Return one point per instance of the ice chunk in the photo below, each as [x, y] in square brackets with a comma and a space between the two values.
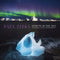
[27, 46]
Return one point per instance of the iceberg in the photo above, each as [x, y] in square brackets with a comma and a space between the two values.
[28, 46]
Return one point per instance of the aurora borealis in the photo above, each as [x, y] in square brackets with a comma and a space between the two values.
[36, 8]
[28, 13]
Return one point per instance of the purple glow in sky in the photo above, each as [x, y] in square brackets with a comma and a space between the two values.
[36, 5]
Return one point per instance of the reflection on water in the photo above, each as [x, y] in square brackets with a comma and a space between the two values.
[17, 56]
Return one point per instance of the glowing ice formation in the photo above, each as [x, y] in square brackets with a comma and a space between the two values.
[27, 46]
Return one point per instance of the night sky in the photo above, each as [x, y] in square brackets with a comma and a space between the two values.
[35, 5]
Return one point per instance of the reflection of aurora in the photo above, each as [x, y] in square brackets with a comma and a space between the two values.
[30, 14]
[29, 47]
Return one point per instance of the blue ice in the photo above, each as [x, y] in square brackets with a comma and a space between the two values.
[27, 46]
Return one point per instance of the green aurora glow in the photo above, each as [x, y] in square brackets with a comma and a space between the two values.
[29, 13]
